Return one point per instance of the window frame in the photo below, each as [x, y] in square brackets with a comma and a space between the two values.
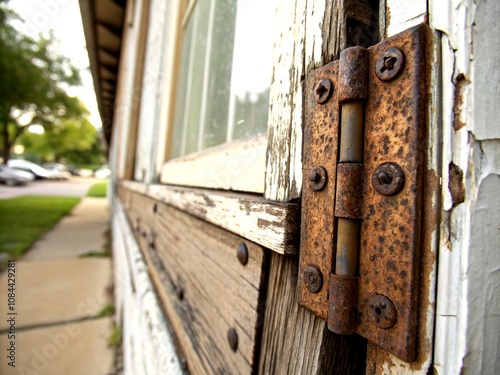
[225, 160]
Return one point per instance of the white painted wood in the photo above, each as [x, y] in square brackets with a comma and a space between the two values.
[170, 73]
[467, 323]
[238, 165]
[272, 225]
[152, 84]
[284, 162]
[401, 15]
[147, 343]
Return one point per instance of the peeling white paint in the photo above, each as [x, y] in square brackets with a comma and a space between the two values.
[467, 338]
[147, 343]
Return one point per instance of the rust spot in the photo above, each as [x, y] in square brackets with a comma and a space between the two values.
[458, 102]
[456, 184]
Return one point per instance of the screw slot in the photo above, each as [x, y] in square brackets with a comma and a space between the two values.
[388, 63]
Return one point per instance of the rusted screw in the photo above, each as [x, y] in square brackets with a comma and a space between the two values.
[242, 254]
[313, 279]
[389, 64]
[382, 311]
[179, 293]
[155, 207]
[151, 238]
[323, 91]
[388, 179]
[317, 178]
[232, 338]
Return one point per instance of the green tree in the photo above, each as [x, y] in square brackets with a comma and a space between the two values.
[33, 88]
[71, 135]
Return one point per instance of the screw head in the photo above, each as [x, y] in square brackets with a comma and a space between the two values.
[382, 311]
[151, 238]
[179, 293]
[317, 178]
[313, 278]
[388, 179]
[232, 339]
[242, 254]
[323, 91]
[390, 64]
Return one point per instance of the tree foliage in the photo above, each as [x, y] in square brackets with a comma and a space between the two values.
[33, 88]
[71, 136]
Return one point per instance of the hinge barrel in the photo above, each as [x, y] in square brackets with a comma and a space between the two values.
[352, 94]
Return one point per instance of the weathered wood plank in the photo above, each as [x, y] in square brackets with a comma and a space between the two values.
[284, 166]
[152, 88]
[294, 341]
[401, 15]
[128, 95]
[218, 292]
[148, 343]
[272, 225]
[239, 165]
[308, 34]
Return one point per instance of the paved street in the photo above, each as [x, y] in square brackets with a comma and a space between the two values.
[74, 187]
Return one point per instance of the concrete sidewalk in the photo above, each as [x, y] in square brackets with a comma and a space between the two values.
[58, 295]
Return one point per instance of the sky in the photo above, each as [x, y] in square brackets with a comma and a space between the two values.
[63, 17]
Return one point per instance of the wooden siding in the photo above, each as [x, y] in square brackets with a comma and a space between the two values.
[272, 225]
[219, 293]
[467, 321]
[148, 344]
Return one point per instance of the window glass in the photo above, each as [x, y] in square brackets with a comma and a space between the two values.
[225, 74]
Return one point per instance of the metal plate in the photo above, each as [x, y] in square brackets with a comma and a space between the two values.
[318, 223]
[395, 129]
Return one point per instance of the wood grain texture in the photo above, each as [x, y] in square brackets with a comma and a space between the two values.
[467, 329]
[284, 166]
[152, 88]
[148, 344]
[308, 34]
[270, 224]
[218, 292]
[129, 91]
[294, 341]
[239, 165]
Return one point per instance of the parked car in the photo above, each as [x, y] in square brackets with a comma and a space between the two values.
[11, 177]
[59, 171]
[85, 172]
[24, 165]
[102, 173]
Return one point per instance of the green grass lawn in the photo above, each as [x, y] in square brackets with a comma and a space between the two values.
[98, 190]
[24, 219]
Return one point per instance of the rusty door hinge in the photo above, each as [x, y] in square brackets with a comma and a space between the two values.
[363, 159]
